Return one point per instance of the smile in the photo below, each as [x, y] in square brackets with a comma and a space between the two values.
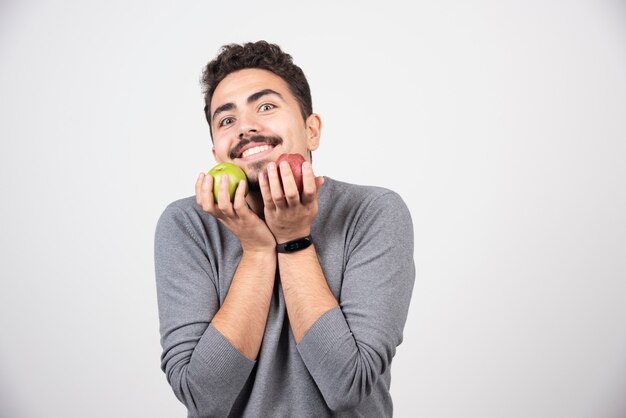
[255, 150]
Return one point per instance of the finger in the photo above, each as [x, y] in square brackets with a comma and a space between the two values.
[319, 180]
[223, 197]
[206, 194]
[265, 191]
[239, 203]
[276, 188]
[289, 184]
[309, 184]
[199, 188]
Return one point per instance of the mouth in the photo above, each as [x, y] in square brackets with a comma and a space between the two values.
[257, 149]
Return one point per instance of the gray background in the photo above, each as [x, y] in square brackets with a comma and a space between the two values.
[501, 123]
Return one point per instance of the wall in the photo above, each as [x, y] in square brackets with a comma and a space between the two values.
[501, 123]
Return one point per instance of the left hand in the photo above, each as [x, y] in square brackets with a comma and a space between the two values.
[253, 233]
[288, 214]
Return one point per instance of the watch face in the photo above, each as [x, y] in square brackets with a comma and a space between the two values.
[295, 245]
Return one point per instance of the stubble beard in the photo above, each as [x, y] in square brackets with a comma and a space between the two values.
[253, 181]
[258, 166]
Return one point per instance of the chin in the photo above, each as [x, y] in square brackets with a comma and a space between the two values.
[254, 169]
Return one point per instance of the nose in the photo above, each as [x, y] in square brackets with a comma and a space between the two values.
[247, 125]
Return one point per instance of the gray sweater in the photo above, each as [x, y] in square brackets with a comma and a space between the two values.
[364, 240]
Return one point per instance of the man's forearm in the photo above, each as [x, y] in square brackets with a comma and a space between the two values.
[242, 317]
[307, 295]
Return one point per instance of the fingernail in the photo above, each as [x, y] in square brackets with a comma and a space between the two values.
[306, 165]
[206, 180]
[200, 176]
[271, 166]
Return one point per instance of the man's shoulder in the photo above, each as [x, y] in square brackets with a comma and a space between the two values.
[187, 211]
[185, 203]
[359, 210]
[184, 207]
[358, 194]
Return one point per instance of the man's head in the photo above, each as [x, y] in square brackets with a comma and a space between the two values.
[258, 106]
[261, 55]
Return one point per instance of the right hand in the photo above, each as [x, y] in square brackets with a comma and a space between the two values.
[252, 231]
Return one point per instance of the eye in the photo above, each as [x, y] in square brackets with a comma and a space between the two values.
[265, 107]
[226, 121]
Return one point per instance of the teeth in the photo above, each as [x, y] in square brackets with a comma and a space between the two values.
[255, 150]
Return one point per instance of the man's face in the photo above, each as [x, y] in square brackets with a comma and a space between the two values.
[255, 119]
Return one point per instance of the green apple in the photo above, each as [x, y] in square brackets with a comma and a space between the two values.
[235, 175]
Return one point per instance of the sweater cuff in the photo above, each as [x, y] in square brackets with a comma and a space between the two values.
[328, 332]
[223, 358]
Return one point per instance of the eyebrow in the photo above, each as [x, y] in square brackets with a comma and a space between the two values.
[252, 98]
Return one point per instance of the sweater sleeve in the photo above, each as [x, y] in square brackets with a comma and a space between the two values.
[205, 371]
[348, 348]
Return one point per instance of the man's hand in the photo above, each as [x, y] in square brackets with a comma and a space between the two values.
[252, 232]
[242, 316]
[288, 214]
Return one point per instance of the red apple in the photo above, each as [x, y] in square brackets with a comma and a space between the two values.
[295, 162]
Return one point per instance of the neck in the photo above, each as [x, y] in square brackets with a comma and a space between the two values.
[255, 202]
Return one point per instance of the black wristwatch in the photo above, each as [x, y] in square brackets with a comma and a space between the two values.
[295, 245]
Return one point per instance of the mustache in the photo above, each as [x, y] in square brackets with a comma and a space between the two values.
[271, 140]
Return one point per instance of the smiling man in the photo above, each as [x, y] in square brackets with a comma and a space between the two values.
[279, 303]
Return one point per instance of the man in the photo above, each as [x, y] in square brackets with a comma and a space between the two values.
[247, 329]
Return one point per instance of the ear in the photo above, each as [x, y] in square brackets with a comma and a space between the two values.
[313, 131]
[214, 154]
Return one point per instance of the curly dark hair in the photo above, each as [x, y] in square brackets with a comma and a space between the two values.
[260, 54]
